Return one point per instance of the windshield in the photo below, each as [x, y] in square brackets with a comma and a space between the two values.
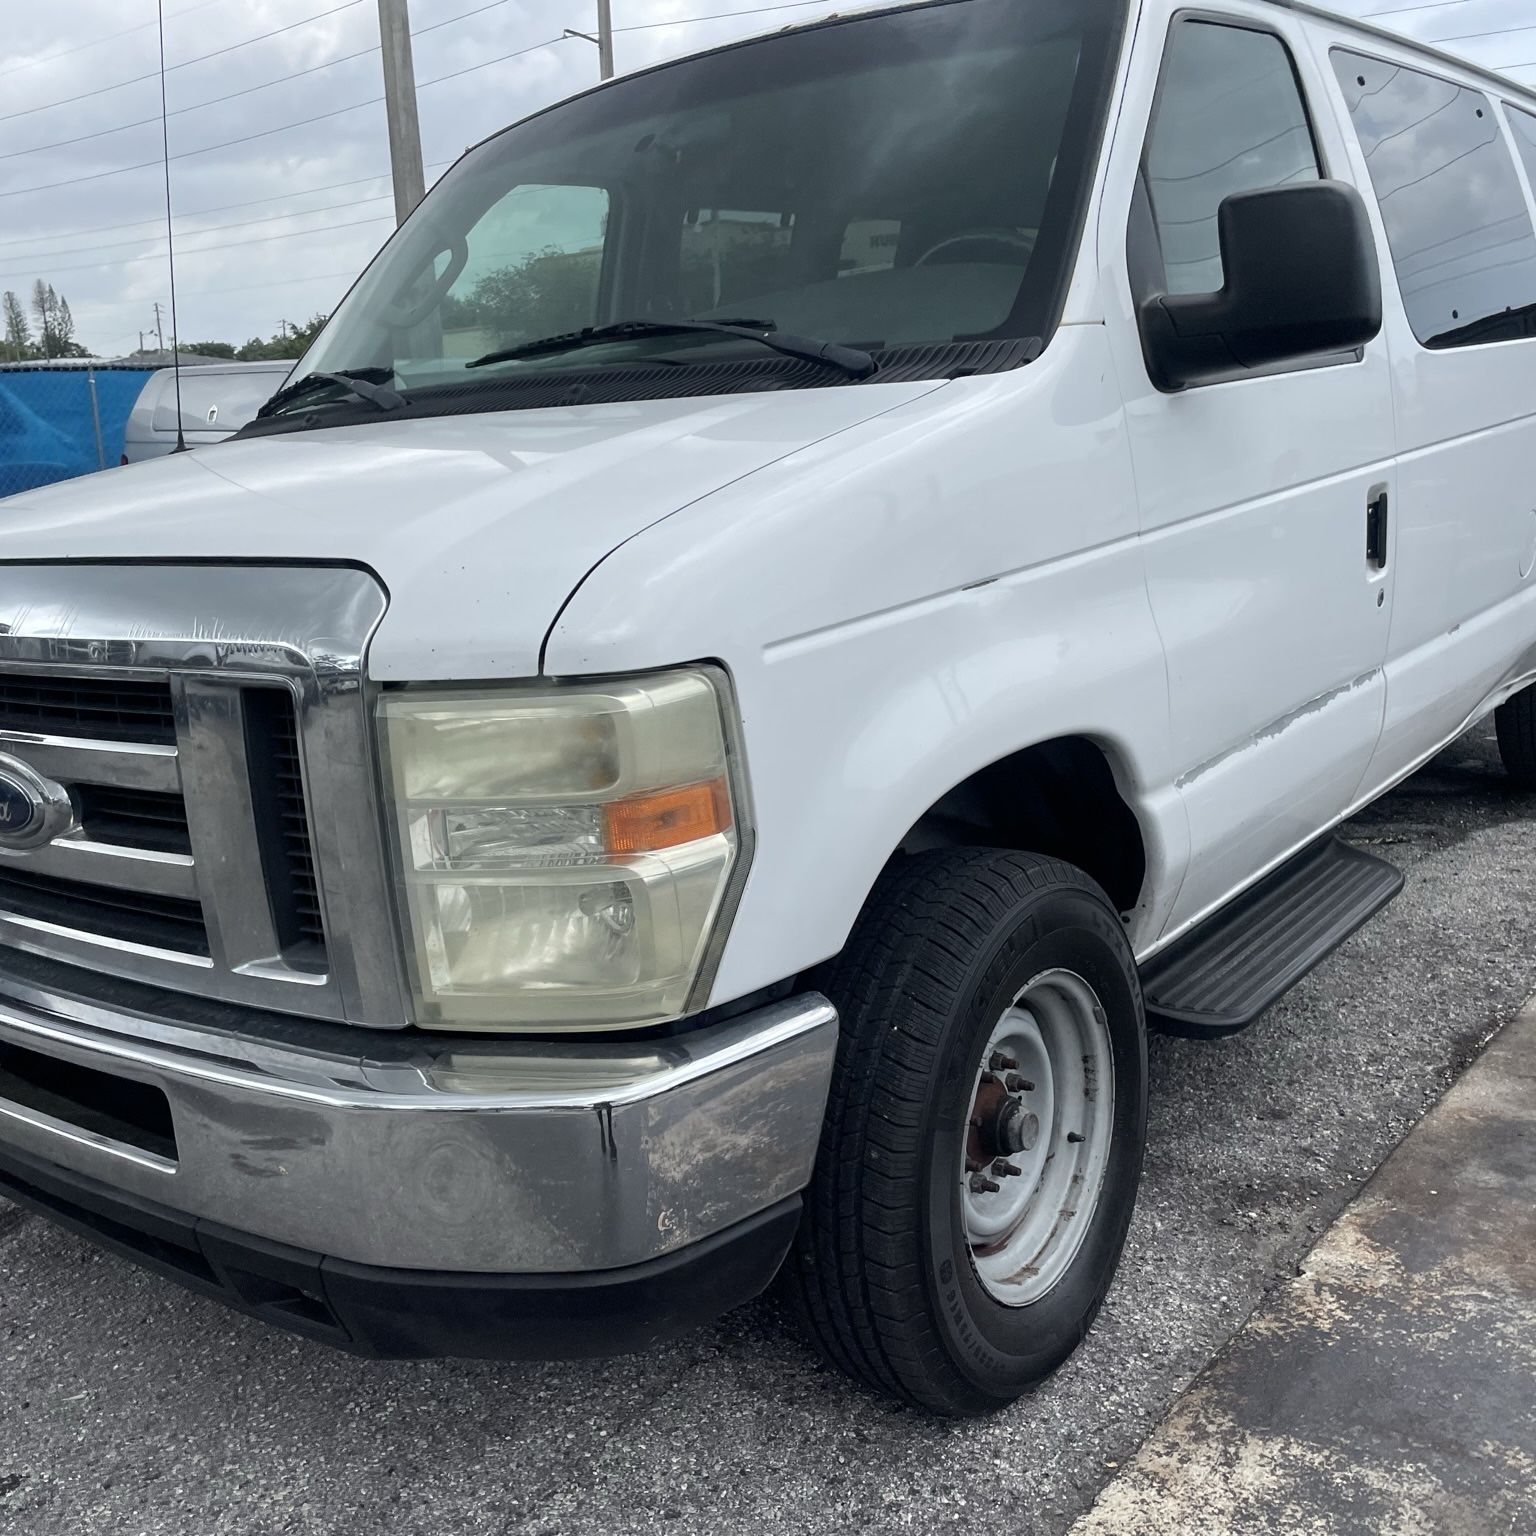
[908, 183]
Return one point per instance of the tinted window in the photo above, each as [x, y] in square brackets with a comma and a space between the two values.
[1524, 124]
[1230, 118]
[1450, 198]
[728, 255]
[537, 251]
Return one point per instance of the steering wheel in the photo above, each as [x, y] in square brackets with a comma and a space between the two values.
[1018, 243]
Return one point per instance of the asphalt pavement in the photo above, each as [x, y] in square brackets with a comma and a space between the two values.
[128, 1406]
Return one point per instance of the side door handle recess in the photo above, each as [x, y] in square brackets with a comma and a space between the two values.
[1376, 508]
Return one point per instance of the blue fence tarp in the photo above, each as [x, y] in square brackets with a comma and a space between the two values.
[48, 422]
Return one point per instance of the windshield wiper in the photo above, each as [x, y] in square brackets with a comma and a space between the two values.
[364, 383]
[849, 360]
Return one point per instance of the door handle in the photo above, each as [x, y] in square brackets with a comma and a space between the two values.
[1376, 508]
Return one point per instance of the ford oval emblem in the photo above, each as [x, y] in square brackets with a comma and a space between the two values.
[19, 807]
[33, 810]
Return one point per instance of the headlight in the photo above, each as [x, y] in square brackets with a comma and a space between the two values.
[563, 854]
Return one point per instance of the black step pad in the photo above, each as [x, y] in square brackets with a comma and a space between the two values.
[1224, 973]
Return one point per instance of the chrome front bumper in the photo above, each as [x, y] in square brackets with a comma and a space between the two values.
[482, 1157]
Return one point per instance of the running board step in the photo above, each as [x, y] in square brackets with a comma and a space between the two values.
[1223, 974]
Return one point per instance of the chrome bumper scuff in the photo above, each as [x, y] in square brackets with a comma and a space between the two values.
[492, 1157]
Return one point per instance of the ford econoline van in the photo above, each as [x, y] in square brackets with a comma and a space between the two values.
[806, 599]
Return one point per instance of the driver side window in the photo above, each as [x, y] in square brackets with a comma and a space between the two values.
[1229, 118]
[534, 269]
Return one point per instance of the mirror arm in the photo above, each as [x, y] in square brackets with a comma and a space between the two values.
[1185, 338]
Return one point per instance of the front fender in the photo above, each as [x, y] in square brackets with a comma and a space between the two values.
[899, 607]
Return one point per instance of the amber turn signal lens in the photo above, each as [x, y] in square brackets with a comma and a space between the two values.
[663, 818]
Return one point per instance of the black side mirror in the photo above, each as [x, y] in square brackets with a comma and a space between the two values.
[1301, 278]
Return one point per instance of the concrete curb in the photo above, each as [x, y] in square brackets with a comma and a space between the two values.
[1390, 1387]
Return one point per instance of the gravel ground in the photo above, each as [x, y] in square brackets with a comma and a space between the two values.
[127, 1406]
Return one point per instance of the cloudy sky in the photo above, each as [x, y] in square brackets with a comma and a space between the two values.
[275, 227]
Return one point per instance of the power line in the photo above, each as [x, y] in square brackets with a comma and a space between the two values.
[247, 138]
[212, 229]
[41, 258]
[183, 253]
[254, 202]
[101, 133]
[1403, 10]
[261, 37]
[249, 90]
[1467, 37]
[355, 106]
[95, 42]
[291, 282]
[207, 293]
[757, 10]
[228, 96]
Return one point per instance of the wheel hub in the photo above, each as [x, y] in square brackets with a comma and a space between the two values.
[1018, 1129]
[1037, 1137]
[1001, 1125]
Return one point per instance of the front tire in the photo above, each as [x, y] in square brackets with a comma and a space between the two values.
[1515, 722]
[985, 1130]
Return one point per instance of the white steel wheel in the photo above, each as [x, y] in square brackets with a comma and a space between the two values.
[1036, 1143]
[984, 1133]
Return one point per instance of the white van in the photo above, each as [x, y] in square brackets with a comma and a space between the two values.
[217, 399]
[806, 598]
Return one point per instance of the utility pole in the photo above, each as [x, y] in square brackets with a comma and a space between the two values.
[605, 39]
[159, 332]
[400, 106]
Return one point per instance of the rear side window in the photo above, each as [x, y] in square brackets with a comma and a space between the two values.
[1524, 124]
[1450, 197]
[1230, 118]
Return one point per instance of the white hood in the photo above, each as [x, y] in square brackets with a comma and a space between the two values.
[479, 526]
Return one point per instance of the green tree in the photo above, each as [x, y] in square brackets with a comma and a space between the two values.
[18, 333]
[208, 348]
[42, 307]
[547, 293]
[63, 326]
[55, 324]
[292, 340]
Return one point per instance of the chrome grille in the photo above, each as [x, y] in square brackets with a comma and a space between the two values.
[133, 818]
[224, 838]
[127, 916]
[95, 709]
[282, 825]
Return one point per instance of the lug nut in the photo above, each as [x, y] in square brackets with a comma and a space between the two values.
[1016, 1084]
[982, 1185]
[1001, 1062]
[974, 1165]
[1006, 1170]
